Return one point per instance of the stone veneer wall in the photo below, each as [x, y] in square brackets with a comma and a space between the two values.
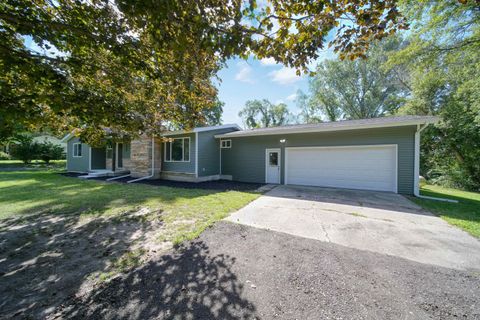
[140, 163]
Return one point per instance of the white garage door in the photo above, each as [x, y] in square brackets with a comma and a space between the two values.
[356, 167]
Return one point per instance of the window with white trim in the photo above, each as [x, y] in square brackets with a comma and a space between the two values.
[77, 150]
[177, 150]
[225, 144]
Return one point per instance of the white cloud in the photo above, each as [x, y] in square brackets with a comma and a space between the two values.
[268, 62]
[279, 101]
[284, 76]
[244, 73]
[292, 97]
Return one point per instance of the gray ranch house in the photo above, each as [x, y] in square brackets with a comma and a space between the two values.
[381, 154]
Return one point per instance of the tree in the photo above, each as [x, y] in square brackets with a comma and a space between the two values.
[443, 58]
[132, 66]
[25, 148]
[48, 151]
[213, 116]
[358, 89]
[309, 111]
[263, 114]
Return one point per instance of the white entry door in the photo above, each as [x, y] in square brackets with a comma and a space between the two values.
[354, 167]
[272, 164]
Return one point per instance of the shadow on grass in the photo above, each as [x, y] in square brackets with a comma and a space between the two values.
[50, 245]
[45, 258]
[187, 284]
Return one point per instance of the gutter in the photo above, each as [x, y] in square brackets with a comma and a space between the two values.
[153, 165]
[416, 169]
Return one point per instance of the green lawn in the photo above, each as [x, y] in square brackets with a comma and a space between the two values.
[57, 164]
[83, 232]
[465, 214]
[185, 212]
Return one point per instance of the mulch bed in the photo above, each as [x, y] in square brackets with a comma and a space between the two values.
[220, 185]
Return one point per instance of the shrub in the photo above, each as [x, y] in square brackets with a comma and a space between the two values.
[4, 156]
[49, 151]
[25, 148]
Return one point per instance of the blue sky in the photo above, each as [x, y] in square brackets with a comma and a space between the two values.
[250, 79]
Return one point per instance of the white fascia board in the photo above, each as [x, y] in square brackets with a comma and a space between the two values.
[67, 137]
[287, 130]
[202, 129]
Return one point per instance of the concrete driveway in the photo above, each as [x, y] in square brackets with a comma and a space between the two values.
[380, 222]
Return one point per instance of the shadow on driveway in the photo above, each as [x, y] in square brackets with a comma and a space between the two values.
[188, 284]
[238, 272]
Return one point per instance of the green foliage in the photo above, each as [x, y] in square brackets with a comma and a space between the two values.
[357, 89]
[263, 114]
[309, 110]
[135, 66]
[25, 148]
[443, 58]
[49, 151]
[4, 156]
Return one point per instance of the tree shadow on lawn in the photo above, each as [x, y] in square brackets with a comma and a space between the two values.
[50, 257]
[186, 284]
[59, 238]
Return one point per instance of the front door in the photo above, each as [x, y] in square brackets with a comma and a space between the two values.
[119, 155]
[272, 162]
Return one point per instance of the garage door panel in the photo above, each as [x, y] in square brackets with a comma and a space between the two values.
[365, 167]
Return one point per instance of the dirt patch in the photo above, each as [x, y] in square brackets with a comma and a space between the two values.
[46, 258]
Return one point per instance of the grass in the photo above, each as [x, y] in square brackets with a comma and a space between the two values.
[184, 212]
[11, 164]
[465, 214]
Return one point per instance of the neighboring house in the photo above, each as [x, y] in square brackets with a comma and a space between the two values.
[380, 154]
[49, 138]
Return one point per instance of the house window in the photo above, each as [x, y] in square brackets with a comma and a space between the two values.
[225, 144]
[77, 150]
[273, 159]
[177, 150]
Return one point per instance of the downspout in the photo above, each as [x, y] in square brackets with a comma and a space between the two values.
[416, 188]
[153, 165]
[416, 180]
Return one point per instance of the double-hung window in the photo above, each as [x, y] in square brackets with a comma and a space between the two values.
[177, 150]
[77, 150]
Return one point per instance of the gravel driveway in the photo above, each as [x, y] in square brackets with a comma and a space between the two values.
[238, 272]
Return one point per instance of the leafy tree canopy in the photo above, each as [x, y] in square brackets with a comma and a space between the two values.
[443, 59]
[263, 114]
[135, 66]
[356, 89]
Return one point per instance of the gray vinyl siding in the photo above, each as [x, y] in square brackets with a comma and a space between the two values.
[181, 167]
[209, 152]
[78, 164]
[245, 161]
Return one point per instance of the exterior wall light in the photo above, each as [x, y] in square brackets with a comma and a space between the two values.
[283, 140]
